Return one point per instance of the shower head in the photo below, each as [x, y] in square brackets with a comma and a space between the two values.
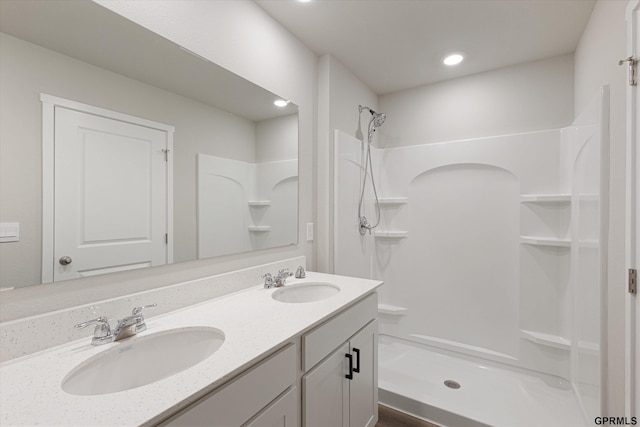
[378, 118]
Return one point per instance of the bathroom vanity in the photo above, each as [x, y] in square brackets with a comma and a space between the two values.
[310, 361]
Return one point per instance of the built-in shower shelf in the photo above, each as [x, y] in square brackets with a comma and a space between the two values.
[395, 234]
[259, 228]
[557, 198]
[392, 309]
[550, 241]
[545, 198]
[391, 201]
[259, 202]
[545, 241]
[548, 340]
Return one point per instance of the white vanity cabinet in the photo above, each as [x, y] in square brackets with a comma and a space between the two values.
[342, 389]
[333, 372]
[263, 396]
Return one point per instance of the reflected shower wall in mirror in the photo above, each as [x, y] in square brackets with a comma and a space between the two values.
[219, 118]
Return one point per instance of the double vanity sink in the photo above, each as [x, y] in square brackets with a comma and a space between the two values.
[182, 356]
[150, 358]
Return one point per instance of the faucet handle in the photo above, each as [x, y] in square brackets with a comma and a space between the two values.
[268, 280]
[300, 274]
[102, 332]
[141, 325]
[285, 272]
[137, 310]
[100, 321]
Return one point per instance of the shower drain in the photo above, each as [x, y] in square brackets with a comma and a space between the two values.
[452, 384]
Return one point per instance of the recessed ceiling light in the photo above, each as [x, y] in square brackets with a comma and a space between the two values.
[304, 1]
[454, 59]
[280, 103]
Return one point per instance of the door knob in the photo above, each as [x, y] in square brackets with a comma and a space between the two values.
[65, 260]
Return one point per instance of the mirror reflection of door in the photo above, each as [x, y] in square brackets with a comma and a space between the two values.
[110, 193]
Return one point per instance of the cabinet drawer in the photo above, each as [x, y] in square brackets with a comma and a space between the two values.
[325, 338]
[242, 398]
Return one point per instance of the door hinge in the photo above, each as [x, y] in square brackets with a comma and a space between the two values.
[633, 281]
[633, 69]
[166, 154]
[166, 238]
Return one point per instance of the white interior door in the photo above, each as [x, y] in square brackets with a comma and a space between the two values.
[110, 195]
[633, 218]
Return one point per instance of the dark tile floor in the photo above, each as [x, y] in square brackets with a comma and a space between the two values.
[388, 417]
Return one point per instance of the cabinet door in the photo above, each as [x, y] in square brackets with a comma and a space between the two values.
[363, 393]
[325, 392]
[281, 413]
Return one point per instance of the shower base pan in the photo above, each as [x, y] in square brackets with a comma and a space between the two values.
[412, 379]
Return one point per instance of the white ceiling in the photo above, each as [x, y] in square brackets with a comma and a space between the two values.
[398, 44]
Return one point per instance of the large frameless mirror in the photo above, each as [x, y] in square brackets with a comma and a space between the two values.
[115, 140]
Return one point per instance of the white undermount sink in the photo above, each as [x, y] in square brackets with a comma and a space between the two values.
[143, 360]
[305, 292]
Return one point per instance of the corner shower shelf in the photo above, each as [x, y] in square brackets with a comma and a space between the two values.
[557, 198]
[545, 198]
[392, 309]
[389, 201]
[259, 202]
[391, 234]
[548, 340]
[259, 228]
[545, 241]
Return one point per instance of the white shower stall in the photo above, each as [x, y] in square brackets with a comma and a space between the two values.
[493, 254]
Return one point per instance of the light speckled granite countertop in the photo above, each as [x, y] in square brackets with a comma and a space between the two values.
[253, 323]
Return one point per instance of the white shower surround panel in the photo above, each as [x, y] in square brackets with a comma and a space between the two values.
[353, 254]
[457, 271]
[454, 187]
[588, 147]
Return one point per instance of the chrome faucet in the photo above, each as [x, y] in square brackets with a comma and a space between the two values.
[279, 280]
[126, 327]
[282, 277]
[300, 274]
